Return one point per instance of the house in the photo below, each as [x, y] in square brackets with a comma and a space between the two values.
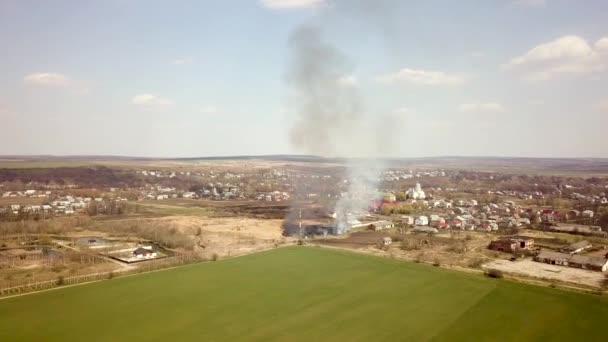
[422, 221]
[523, 221]
[189, 194]
[385, 241]
[437, 221]
[456, 223]
[573, 214]
[576, 247]
[512, 244]
[381, 225]
[407, 220]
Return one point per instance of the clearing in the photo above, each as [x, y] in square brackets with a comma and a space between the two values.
[304, 293]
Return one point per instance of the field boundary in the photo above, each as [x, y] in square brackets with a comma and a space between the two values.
[516, 278]
[68, 282]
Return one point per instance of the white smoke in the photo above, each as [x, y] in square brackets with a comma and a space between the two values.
[331, 120]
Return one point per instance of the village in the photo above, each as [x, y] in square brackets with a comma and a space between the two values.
[464, 218]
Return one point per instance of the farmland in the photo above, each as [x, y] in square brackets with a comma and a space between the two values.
[304, 293]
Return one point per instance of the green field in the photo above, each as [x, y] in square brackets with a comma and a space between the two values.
[306, 294]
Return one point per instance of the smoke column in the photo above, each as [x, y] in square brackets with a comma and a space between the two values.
[330, 116]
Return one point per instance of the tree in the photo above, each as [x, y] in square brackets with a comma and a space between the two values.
[400, 196]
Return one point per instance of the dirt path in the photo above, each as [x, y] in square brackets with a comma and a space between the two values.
[545, 271]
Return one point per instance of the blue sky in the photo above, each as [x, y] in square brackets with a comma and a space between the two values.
[204, 78]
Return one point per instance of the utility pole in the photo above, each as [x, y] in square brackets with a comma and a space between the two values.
[300, 223]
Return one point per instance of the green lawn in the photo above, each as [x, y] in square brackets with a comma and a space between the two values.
[307, 294]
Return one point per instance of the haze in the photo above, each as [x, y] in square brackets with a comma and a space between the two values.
[204, 78]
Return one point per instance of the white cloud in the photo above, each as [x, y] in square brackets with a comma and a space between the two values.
[566, 55]
[424, 77]
[291, 4]
[209, 109]
[601, 45]
[150, 100]
[482, 107]
[348, 81]
[530, 3]
[5, 112]
[183, 61]
[402, 110]
[478, 54]
[48, 79]
[602, 106]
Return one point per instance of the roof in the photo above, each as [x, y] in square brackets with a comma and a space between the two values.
[579, 245]
[587, 260]
[141, 251]
[554, 255]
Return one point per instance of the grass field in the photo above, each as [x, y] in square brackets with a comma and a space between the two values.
[307, 294]
[171, 207]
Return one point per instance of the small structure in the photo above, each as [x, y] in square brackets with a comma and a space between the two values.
[576, 247]
[553, 258]
[587, 213]
[512, 244]
[141, 252]
[407, 220]
[573, 260]
[381, 225]
[422, 221]
[385, 241]
[425, 229]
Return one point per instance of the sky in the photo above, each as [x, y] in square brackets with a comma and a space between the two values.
[155, 78]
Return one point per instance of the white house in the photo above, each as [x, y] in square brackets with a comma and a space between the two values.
[422, 221]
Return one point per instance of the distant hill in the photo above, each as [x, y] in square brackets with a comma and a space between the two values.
[502, 164]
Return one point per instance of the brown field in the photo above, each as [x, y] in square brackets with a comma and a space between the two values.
[6, 201]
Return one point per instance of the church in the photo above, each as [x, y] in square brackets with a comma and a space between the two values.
[416, 192]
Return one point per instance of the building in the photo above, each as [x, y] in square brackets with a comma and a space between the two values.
[141, 252]
[407, 220]
[512, 244]
[381, 225]
[385, 241]
[422, 221]
[589, 263]
[416, 192]
[553, 258]
[573, 260]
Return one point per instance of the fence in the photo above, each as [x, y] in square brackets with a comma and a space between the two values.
[152, 265]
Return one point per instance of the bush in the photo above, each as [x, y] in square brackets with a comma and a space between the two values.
[60, 281]
[493, 273]
[300, 242]
[214, 257]
[111, 275]
[58, 268]
[476, 263]
[436, 263]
